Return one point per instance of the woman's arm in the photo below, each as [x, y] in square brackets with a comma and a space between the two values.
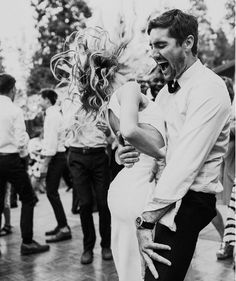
[144, 137]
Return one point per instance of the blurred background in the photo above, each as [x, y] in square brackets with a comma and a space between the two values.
[31, 32]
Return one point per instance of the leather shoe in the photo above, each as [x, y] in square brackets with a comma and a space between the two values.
[52, 232]
[33, 248]
[87, 257]
[106, 254]
[60, 236]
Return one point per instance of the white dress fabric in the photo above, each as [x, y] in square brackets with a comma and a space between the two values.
[127, 196]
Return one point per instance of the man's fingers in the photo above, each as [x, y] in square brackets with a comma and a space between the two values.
[129, 155]
[160, 259]
[127, 148]
[143, 266]
[156, 256]
[150, 265]
[158, 246]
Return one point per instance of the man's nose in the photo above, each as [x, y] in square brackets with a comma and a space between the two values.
[156, 53]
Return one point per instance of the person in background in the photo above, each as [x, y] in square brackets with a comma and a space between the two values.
[53, 150]
[7, 228]
[88, 163]
[144, 85]
[13, 198]
[13, 153]
[228, 180]
[229, 238]
[89, 166]
[156, 82]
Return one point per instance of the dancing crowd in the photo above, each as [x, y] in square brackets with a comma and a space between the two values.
[152, 153]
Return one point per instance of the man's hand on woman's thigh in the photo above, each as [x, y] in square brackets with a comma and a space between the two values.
[147, 247]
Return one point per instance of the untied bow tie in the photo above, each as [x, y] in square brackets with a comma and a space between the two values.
[173, 86]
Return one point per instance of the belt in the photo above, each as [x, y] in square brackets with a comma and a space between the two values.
[87, 150]
[8, 154]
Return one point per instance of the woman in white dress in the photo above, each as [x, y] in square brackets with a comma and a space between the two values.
[96, 74]
[131, 188]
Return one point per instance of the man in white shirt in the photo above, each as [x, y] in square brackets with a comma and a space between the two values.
[196, 110]
[89, 165]
[13, 150]
[53, 149]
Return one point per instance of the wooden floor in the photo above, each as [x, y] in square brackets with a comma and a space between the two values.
[62, 262]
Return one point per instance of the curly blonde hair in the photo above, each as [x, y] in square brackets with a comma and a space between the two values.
[89, 65]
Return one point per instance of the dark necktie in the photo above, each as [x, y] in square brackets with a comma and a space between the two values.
[173, 86]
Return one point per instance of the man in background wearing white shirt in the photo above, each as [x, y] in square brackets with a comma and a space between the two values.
[13, 150]
[89, 166]
[196, 110]
[53, 149]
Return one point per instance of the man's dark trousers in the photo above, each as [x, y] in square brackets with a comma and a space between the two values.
[13, 170]
[89, 169]
[196, 211]
[56, 167]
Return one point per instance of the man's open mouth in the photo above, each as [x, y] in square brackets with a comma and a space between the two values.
[163, 65]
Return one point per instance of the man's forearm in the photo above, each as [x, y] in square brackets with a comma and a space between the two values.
[156, 215]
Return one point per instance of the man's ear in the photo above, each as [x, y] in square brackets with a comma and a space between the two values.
[188, 43]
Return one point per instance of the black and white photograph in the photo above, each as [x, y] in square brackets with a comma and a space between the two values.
[117, 140]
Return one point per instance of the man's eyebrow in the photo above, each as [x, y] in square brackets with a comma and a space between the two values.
[157, 42]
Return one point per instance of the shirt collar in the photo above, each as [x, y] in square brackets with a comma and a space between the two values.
[5, 98]
[190, 72]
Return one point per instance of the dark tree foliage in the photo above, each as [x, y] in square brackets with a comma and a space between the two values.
[206, 33]
[214, 48]
[230, 15]
[55, 20]
[224, 51]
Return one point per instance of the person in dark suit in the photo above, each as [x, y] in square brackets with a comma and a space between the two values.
[13, 154]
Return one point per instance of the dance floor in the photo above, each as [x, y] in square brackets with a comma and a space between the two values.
[62, 262]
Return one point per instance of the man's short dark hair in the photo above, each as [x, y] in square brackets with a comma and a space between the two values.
[50, 94]
[180, 26]
[7, 83]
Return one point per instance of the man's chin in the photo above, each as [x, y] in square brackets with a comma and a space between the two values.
[169, 76]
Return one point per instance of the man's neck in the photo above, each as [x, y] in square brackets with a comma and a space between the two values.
[191, 61]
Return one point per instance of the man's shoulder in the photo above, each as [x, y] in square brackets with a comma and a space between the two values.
[206, 77]
[208, 83]
[14, 109]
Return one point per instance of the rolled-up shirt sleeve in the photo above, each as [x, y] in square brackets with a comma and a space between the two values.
[206, 116]
[21, 136]
[50, 136]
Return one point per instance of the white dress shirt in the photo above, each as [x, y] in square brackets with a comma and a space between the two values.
[197, 131]
[54, 132]
[13, 136]
[82, 128]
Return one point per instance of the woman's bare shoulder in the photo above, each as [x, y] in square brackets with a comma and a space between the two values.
[128, 87]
